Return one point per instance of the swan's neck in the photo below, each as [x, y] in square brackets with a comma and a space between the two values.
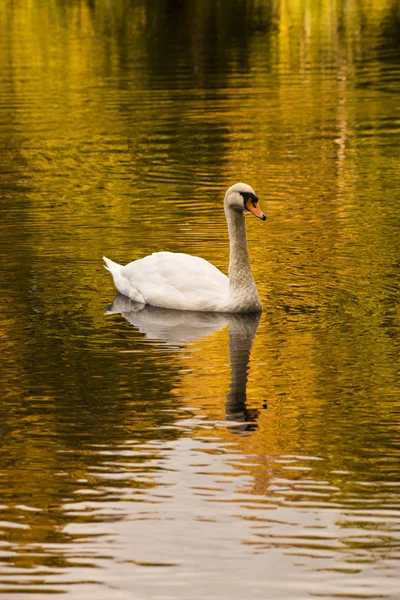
[241, 282]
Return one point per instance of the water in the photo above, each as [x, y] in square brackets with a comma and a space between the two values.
[152, 455]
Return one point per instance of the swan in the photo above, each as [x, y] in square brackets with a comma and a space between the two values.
[185, 282]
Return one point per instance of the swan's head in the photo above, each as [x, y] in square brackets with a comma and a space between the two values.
[241, 197]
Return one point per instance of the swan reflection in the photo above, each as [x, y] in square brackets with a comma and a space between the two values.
[177, 328]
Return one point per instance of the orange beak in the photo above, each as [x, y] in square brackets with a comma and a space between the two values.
[253, 208]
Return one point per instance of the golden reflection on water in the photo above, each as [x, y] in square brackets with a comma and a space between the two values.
[124, 449]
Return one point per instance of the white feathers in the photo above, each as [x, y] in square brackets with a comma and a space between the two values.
[172, 280]
[123, 284]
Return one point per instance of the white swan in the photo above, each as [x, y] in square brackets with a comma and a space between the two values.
[185, 282]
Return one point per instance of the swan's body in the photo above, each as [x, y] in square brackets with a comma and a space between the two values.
[185, 282]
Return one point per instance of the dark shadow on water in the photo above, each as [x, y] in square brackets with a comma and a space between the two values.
[175, 328]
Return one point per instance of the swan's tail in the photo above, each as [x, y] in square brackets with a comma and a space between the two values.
[112, 266]
[115, 270]
[122, 284]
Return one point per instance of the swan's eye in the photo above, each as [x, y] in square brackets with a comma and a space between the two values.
[249, 197]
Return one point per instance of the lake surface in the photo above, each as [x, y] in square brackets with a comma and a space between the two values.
[167, 455]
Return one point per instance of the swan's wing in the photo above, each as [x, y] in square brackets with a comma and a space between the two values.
[175, 280]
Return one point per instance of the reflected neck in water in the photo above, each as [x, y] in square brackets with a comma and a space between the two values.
[242, 331]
